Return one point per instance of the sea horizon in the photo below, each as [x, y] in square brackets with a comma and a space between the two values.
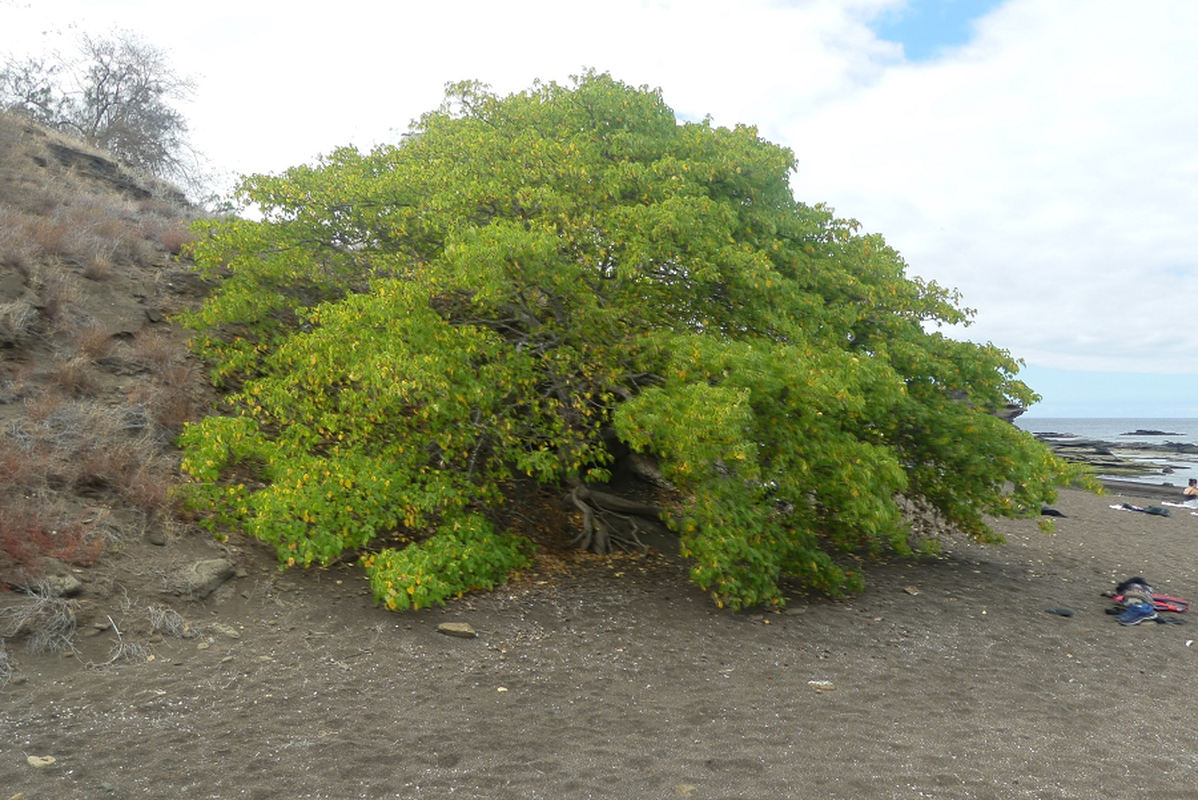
[1114, 429]
[1118, 431]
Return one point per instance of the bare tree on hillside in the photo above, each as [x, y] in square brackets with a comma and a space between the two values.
[28, 87]
[117, 93]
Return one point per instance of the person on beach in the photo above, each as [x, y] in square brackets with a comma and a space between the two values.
[1191, 492]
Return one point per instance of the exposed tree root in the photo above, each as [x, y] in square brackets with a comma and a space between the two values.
[610, 522]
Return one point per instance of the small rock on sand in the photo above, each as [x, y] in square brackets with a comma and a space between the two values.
[200, 579]
[458, 629]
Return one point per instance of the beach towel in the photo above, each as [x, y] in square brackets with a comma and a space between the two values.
[1156, 511]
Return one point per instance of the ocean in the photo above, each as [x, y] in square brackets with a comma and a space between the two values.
[1114, 429]
[1117, 431]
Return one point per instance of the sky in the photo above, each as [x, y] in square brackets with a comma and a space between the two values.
[1040, 156]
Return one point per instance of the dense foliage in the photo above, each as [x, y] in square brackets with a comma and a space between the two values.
[523, 279]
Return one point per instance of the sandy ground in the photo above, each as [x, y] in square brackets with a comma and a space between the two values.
[950, 681]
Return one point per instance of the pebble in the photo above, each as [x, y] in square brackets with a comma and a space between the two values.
[459, 629]
[227, 630]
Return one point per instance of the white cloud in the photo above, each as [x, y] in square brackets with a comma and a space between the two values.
[1046, 168]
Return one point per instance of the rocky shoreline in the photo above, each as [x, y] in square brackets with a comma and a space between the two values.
[1130, 467]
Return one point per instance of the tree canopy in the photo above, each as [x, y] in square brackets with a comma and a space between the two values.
[525, 286]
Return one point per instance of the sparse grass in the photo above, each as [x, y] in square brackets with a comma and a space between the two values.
[40, 405]
[5, 665]
[75, 375]
[56, 293]
[18, 322]
[81, 446]
[98, 264]
[173, 398]
[41, 526]
[156, 350]
[71, 439]
[94, 340]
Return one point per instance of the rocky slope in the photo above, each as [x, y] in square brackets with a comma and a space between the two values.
[95, 381]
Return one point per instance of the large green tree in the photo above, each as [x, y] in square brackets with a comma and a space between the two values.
[530, 285]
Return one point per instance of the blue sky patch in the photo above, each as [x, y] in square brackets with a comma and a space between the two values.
[1069, 393]
[926, 27]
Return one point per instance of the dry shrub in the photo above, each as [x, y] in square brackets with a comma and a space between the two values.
[94, 340]
[77, 243]
[144, 252]
[173, 398]
[85, 230]
[20, 255]
[12, 467]
[40, 406]
[107, 215]
[130, 468]
[125, 651]
[18, 322]
[99, 263]
[171, 233]
[175, 238]
[5, 665]
[169, 622]
[155, 350]
[37, 527]
[85, 446]
[77, 375]
[50, 235]
[57, 292]
[156, 207]
[97, 228]
[25, 464]
[149, 487]
[17, 249]
[107, 463]
[46, 619]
